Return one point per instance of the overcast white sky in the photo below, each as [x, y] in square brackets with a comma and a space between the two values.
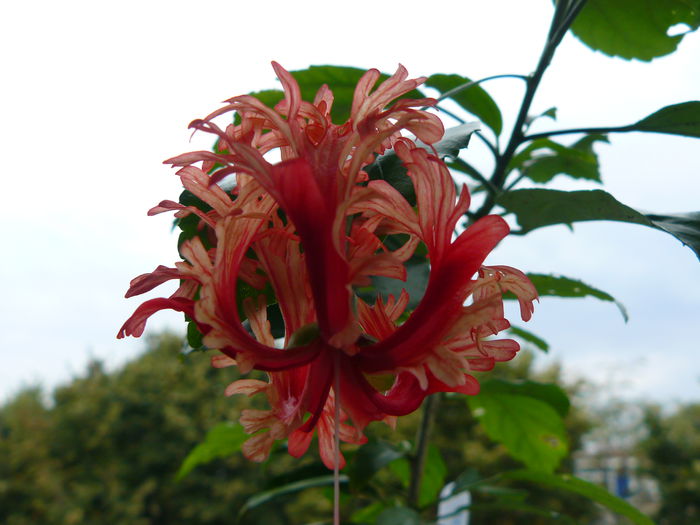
[95, 95]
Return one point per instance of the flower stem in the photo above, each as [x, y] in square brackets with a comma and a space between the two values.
[336, 437]
[421, 451]
[564, 15]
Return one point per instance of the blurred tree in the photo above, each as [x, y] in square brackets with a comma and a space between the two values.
[106, 450]
[672, 451]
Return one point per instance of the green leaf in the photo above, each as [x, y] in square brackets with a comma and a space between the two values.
[634, 28]
[536, 208]
[401, 468]
[578, 160]
[261, 498]
[473, 99]
[678, 119]
[530, 429]
[389, 167]
[194, 336]
[269, 97]
[399, 516]
[558, 286]
[683, 226]
[433, 480]
[528, 336]
[418, 272]
[550, 393]
[583, 488]
[222, 441]
[369, 459]
[342, 81]
[368, 514]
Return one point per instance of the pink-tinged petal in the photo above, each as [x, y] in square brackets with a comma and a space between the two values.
[501, 349]
[299, 442]
[247, 387]
[135, 325]
[308, 208]
[257, 448]
[291, 91]
[362, 90]
[436, 197]
[147, 281]
[384, 200]
[513, 280]
[257, 317]
[222, 361]
[198, 183]
[441, 305]
[187, 159]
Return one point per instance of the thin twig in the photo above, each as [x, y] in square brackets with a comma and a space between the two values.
[545, 134]
[421, 451]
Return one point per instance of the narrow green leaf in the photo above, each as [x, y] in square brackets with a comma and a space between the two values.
[222, 441]
[529, 337]
[536, 208]
[550, 393]
[473, 99]
[369, 459]
[368, 514]
[559, 286]
[342, 81]
[583, 488]
[399, 516]
[530, 429]
[634, 28]
[261, 498]
[678, 119]
[433, 479]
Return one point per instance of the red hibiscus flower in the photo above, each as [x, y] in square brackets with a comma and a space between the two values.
[311, 230]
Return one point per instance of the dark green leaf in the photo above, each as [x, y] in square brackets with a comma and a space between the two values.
[194, 336]
[418, 271]
[399, 516]
[269, 97]
[550, 393]
[683, 226]
[578, 161]
[342, 81]
[530, 429]
[466, 480]
[536, 208]
[264, 497]
[634, 28]
[433, 480]
[401, 468]
[455, 139]
[678, 119]
[474, 99]
[222, 441]
[584, 488]
[388, 166]
[529, 337]
[550, 113]
[558, 286]
[368, 514]
[369, 459]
